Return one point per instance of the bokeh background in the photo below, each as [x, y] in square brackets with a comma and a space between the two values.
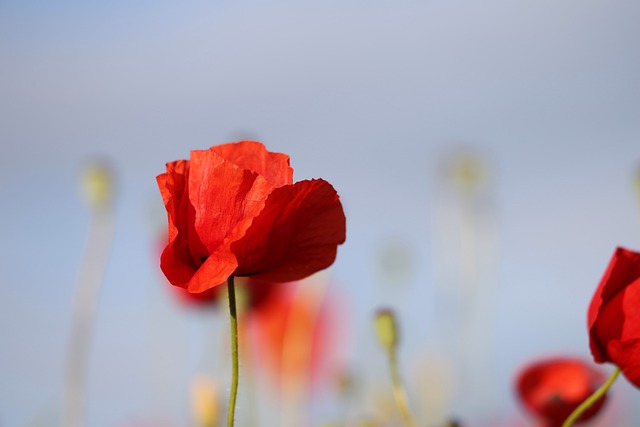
[486, 154]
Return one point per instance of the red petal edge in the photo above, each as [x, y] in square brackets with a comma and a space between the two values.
[295, 235]
[253, 156]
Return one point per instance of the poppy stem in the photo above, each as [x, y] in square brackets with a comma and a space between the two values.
[234, 351]
[399, 392]
[577, 413]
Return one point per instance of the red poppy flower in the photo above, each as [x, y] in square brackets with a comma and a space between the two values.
[297, 332]
[551, 389]
[234, 211]
[614, 315]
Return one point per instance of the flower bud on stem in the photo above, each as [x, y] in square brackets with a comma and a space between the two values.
[387, 333]
[597, 395]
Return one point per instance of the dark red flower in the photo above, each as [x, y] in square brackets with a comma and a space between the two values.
[551, 389]
[234, 210]
[614, 315]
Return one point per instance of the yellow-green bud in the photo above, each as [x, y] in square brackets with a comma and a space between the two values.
[469, 174]
[97, 185]
[386, 328]
[637, 181]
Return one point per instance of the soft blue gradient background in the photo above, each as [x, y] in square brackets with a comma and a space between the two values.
[368, 95]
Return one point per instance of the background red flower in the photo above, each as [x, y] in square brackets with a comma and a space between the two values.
[552, 388]
[296, 333]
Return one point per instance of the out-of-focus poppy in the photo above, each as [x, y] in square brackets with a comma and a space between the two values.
[296, 333]
[614, 315]
[234, 210]
[552, 388]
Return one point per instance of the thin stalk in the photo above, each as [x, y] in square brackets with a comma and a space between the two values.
[577, 413]
[399, 392]
[234, 351]
[85, 304]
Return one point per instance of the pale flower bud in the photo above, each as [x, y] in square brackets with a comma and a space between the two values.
[386, 329]
[97, 185]
[204, 402]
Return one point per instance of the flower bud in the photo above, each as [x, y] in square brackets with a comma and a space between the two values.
[386, 328]
[636, 181]
[204, 402]
[97, 185]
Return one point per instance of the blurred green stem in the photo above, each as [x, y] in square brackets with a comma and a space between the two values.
[234, 351]
[599, 393]
[398, 390]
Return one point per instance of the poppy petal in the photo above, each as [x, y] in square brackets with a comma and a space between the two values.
[614, 302]
[623, 268]
[616, 336]
[172, 186]
[625, 356]
[225, 199]
[214, 271]
[295, 235]
[253, 155]
[176, 260]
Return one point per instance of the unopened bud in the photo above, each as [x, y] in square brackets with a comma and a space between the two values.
[204, 402]
[97, 185]
[386, 328]
[469, 174]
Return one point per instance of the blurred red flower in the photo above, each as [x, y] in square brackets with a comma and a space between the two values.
[234, 210]
[552, 388]
[614, 315]
[297, 333]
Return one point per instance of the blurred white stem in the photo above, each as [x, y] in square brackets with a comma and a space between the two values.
[90, 277]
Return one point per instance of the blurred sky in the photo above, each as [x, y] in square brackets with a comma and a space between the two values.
[373, 96]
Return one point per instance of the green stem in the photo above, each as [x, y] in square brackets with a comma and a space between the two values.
[234, 351]
[577, 413]
[398, 390]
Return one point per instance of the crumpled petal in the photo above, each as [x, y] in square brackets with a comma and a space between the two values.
[176, 260]
[213, 272]
[172, 186]
[253, 155]
[618, 333]
[614, 317]
[225, 198]
[295, 235]
[625, 354]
